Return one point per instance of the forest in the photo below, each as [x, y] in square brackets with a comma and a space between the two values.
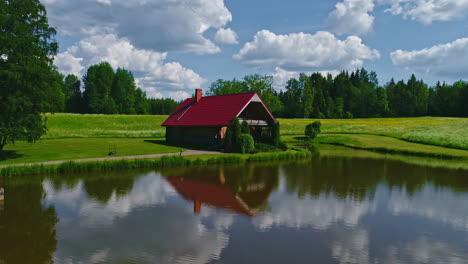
[355, 94]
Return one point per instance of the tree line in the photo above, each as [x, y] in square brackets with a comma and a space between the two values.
[106, 91]
[347, 95]
[352, 94]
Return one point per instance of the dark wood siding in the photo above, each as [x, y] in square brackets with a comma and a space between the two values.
[193, 135]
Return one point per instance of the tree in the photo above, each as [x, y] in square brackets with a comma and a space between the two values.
[162, 106]
[292, 98]
[27, 76]
[381, 104]
[141, 102]
[408, 99]
[123, 91]
[73, 96]
[97, 85]
[419, 95]
[308, 96]
[56, 97]
[221, 87]
[262, 85]
[319, 101]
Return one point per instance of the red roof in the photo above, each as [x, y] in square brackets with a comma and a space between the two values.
[216, 110]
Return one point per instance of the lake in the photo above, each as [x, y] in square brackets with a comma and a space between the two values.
[332, 209]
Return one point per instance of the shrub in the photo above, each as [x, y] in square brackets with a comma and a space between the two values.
[312, 130]
[246, 143]
[275, 133]
[245, 128]
[232, 136]
[262, 147]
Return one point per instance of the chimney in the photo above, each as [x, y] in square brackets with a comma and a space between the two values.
[198, 94]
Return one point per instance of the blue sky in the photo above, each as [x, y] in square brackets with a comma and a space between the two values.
[174, 46]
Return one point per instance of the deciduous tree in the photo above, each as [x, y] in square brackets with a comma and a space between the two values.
[27, 75]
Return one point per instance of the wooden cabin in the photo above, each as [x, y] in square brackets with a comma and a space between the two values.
[205, 119]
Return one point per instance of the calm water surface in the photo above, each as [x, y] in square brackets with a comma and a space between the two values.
[329, 210]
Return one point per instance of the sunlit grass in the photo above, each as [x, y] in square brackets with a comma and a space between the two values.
[80, 148]
[112, 126]
[439, 131]
[74, 136]
[162, 162]
[391, 145]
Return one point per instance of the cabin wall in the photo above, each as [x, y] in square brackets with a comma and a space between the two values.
[193, 135]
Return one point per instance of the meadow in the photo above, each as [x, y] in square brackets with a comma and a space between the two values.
[437, 131]
[74, 136]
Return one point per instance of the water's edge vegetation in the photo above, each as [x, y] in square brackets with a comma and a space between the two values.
[162, 162]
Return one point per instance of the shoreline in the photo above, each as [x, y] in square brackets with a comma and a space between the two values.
[189, 152]
[164, 161]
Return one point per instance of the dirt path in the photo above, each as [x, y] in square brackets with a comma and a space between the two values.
[150, 156]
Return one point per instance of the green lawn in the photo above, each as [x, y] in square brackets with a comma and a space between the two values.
[73, 136]
[111, 126]
[78, 148]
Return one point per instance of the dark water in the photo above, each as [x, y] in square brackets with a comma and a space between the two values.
[329, 210]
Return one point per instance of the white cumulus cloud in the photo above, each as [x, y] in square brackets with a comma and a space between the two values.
[227, 36]
[152, 73]
[450, 59]
[162, 25]
[351, 17]
[281, 76]
[321, 51]
[428, 11]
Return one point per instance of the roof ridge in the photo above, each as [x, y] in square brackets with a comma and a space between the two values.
[228, 94]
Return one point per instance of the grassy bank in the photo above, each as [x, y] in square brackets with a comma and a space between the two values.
[73, 136]
[163, 162]
[339, 151]
[391, 145]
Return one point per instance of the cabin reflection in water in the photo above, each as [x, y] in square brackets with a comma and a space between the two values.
[224, 189]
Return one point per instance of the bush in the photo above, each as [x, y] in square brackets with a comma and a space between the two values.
[246, 143]
[262, 147]
[275, 133]
[312, 130]
[245, 128]
[232, 136]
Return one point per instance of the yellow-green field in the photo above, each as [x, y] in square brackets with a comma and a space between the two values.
[72, 136]
[109, 126]
[438, 131]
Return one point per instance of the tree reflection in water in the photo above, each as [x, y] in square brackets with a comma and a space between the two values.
[358, 178]
[27, 226]
[351, 210]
